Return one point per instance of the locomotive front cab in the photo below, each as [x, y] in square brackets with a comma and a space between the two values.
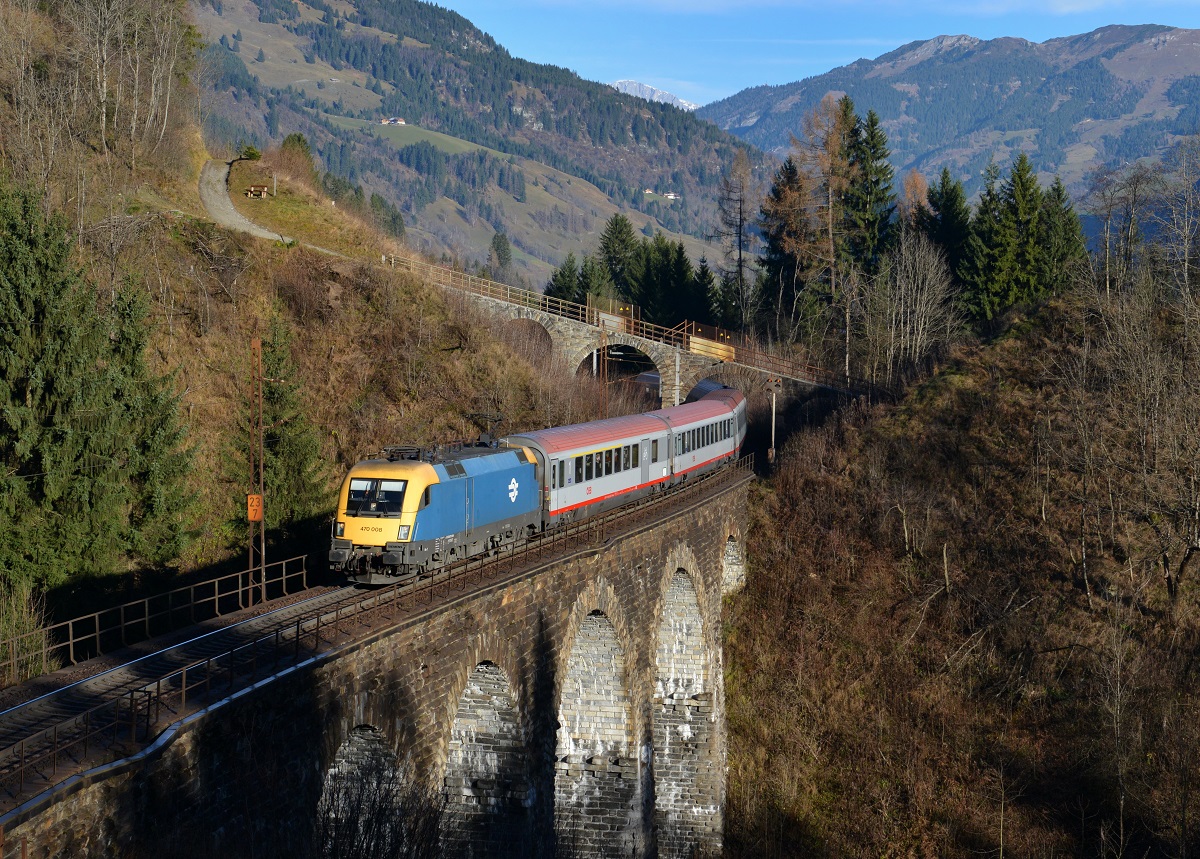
[377, 515]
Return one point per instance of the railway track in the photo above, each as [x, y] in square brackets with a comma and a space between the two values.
[119, 711]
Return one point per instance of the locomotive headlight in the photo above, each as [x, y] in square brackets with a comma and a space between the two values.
[404, 529]
[339, 529]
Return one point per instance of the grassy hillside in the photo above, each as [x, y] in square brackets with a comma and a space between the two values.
[331, 72]
[559, 214]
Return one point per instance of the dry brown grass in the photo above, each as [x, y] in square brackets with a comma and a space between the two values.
[887, 699]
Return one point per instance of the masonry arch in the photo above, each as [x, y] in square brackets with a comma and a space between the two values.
[595, 771]
[370, 805]
[624, 359]
[530, 338]
[487, 781]
[683, 724]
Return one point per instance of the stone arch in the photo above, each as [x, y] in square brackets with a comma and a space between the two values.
[582, 354]
[369, 800]
[683, 716]
[531, 338]
[487, 782]
[595, 769]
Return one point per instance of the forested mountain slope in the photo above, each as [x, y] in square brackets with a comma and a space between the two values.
[278, 66]
[1118, 93]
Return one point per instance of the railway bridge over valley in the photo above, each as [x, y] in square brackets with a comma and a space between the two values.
[683, 355]
[564, 700]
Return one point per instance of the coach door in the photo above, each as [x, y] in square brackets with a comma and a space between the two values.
[645, 460]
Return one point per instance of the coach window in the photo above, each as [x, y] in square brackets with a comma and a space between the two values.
[587, 467]
[625, 456]
[608, 462]
[654, 451]
[635, 455]
[578, 470]
[553, 474]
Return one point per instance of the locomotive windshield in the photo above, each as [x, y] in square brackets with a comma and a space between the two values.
[373, 497]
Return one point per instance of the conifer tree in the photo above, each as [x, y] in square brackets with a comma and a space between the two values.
[667, 284]
[982, 297]
[92, 468]
[1020, 235]
[594, 279]
[618, 249]
[706, 285]
[294, 481]
[947, 220]
[1063, 246]
[564, 283]
[870, 199]
[160, 462]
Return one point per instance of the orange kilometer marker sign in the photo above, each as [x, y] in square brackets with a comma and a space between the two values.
[254, 508]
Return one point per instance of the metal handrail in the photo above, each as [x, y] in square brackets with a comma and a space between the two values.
[744, 350]
[90, 635]
[140, 710]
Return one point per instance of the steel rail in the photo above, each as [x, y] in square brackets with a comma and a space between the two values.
[78, 639]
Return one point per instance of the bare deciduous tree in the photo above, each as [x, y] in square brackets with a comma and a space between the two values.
[737, 204]
[826, 155]
[371, 811]
[909, 313]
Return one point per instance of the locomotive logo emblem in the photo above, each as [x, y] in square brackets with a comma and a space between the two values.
[512, 490]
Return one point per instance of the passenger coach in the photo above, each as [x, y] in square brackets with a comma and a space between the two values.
[587, 468]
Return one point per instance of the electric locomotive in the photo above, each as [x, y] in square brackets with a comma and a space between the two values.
[412, 510]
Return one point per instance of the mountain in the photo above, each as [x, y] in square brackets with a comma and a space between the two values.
[476, 122]
[1118, 93]
[650, 93]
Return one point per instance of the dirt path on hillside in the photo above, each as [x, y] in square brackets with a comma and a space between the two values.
[214, 194]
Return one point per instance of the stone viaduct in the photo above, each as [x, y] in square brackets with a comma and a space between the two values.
[573, 709]
[678, 369]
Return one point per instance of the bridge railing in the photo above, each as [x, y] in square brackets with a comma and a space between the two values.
[132, 717]
[706, 340]
[73, 641]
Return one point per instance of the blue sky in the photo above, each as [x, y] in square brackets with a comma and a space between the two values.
[704, 50]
